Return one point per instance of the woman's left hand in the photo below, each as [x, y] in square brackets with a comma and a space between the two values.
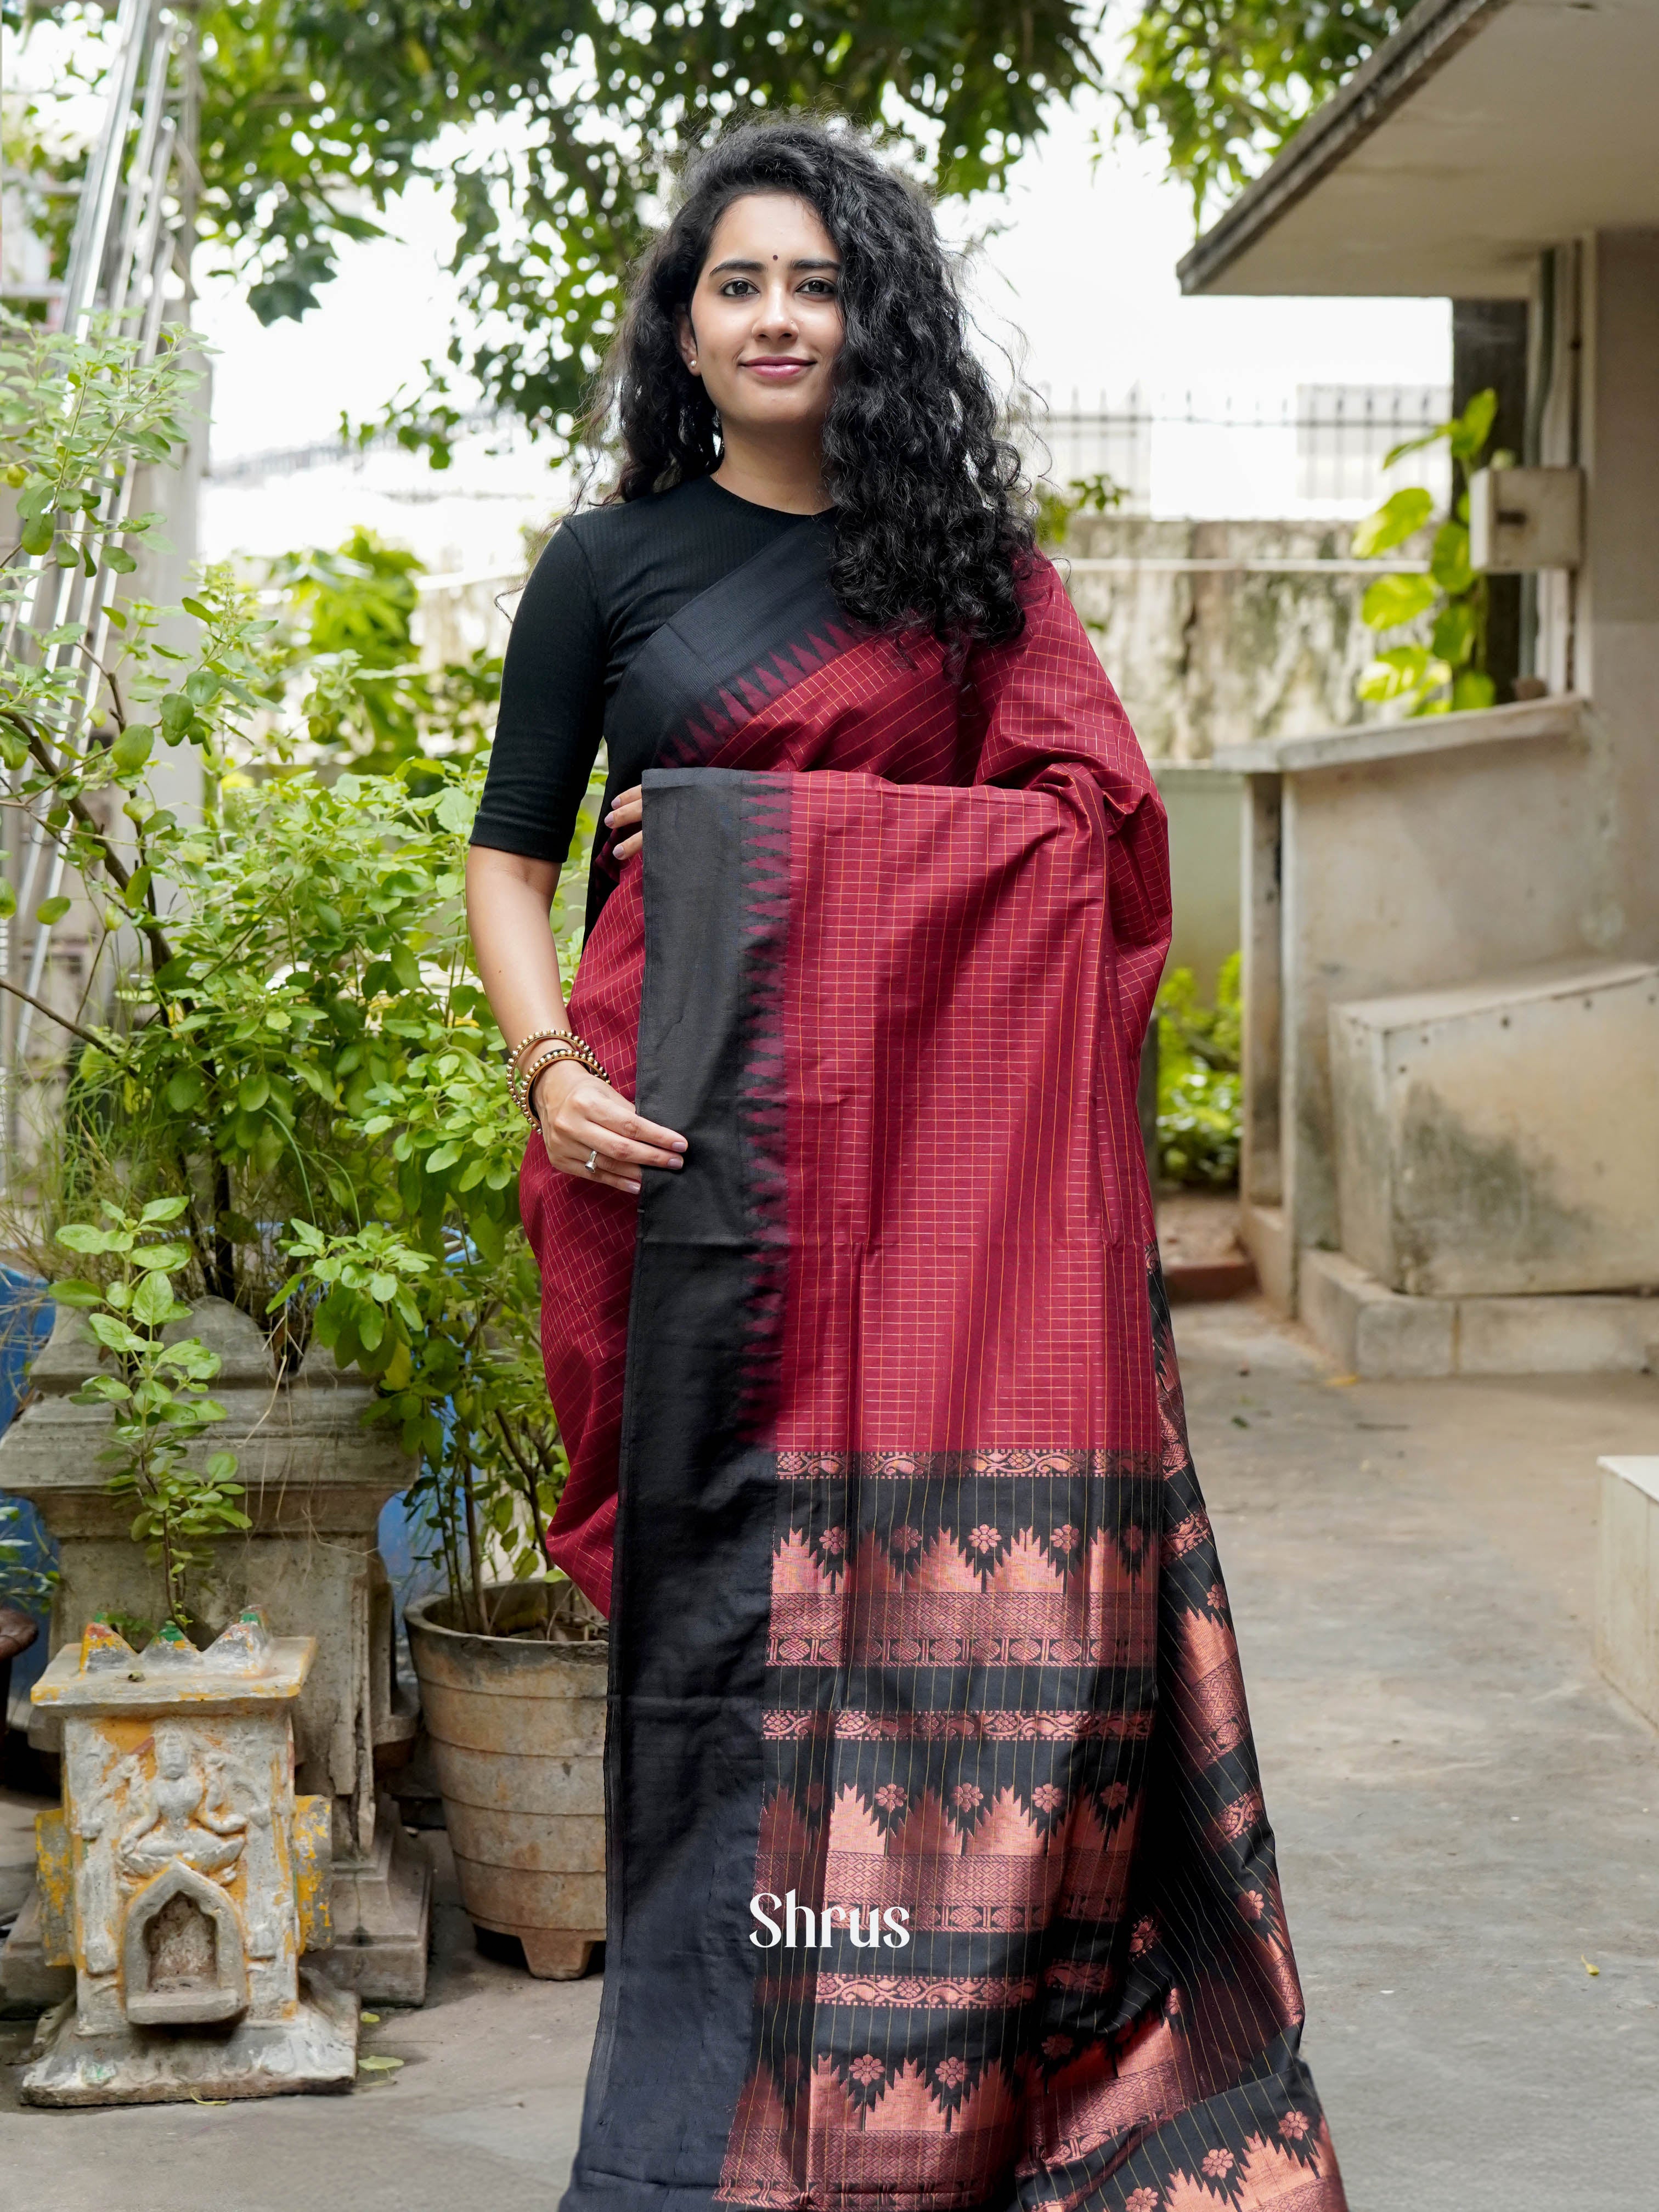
[627, 810]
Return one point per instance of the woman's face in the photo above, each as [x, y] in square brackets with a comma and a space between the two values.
[764, 328]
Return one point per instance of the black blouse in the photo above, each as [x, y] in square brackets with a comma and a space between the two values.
[605, 581]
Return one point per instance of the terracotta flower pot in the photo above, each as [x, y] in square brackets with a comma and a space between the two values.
[516, 1721]
[17, 1632]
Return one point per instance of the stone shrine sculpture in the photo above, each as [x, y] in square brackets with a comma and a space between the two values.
[183, 1878]
[316, 1481]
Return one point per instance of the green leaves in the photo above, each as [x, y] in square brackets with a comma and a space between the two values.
[50, 910]
[164, 1259]
[132, 749]
[1449, 563]
[22, 1581]
[1471, 689]
[1392, 600]
[114, 1335]
[153, 1303]
[1469, 431]
[1221, 84]
[85, 1237]
[178, 717]
[585, 113]
[1402, 672]
[1445, 673]
[66, 459]
[1400, 516]
[309, 1077]
[1456, 632]
[155, 1393]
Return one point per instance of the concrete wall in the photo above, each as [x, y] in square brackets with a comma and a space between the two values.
[1501, 1139]
[1208, 658]
[1387, 860]
[1617, 612]
[1406, 873]
[1203, 805]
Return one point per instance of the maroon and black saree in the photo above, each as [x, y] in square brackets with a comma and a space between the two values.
[938, 1875]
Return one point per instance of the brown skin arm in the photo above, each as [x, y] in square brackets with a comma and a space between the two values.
[508, 899]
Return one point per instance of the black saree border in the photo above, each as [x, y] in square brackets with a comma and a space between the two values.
[743, 641]
[696, 1498]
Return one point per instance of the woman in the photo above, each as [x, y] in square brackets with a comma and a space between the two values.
[938, 1873]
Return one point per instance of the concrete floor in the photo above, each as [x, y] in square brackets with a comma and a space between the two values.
[1466, 1815]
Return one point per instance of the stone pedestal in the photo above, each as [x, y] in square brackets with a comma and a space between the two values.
[316, 1479]
[183, 1878]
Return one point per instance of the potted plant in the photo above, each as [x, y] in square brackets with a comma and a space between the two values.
[515, 1714]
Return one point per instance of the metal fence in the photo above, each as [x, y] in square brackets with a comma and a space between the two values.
[1321, 452]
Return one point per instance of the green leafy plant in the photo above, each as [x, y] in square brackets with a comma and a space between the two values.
[368, 698]
[1095, 495]
[1199, 1088]
[24, 1581]
[1222, 84]
[282, 1055]
[1449, 671]
[157, 1391]
[313, 112]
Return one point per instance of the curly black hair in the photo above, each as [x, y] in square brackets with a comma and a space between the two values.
[932, 523]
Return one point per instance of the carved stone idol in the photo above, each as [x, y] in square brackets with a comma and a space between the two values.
[183, 1878]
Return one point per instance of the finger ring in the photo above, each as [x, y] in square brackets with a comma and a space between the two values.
[593, 1160]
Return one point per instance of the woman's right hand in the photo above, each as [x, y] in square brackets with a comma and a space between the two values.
[580, 1115]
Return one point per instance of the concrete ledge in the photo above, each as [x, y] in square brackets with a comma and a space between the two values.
[1373, 1331]
[1627, 1581]
[1558, 720]
[1370, 1330]
[1264, 1235]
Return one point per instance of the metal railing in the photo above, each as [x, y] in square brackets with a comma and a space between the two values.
[1321, 452]
[132, 238]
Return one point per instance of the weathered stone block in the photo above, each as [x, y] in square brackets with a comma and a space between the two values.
[179, 1879]
[1501, 1138]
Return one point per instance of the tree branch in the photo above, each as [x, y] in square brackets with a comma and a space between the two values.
[98, 1044]
[118, 873]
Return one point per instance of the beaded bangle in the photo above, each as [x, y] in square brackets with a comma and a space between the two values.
[536, 1036]
[522, 1085]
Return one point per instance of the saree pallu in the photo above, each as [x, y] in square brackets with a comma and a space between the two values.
[938, 1871]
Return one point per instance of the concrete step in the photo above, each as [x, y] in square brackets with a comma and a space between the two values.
[1372, 1331]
